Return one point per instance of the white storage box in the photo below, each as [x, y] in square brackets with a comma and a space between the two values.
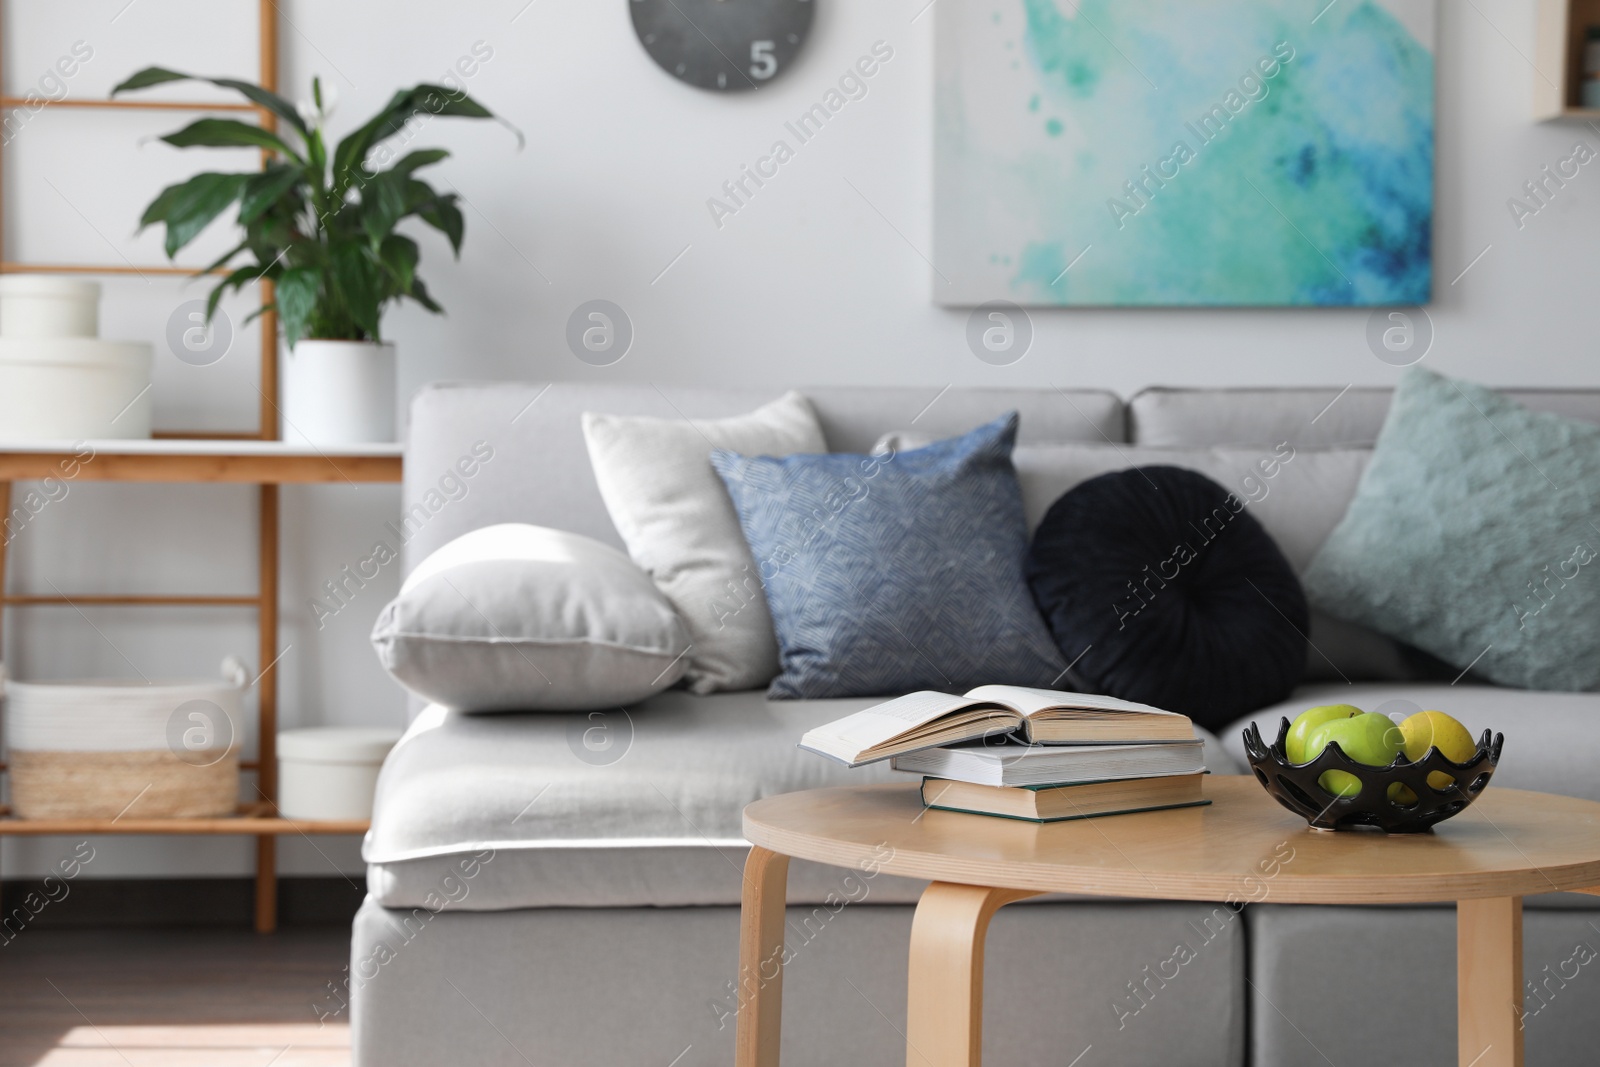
[101, 749]
[73, 388]
[330, 772]
[44, 305]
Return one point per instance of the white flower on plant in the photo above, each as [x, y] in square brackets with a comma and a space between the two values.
[316, 111]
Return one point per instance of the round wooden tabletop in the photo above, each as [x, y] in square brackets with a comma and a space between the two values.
[1243, 846]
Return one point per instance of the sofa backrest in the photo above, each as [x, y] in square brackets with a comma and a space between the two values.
[1307, 418]
[539, 471]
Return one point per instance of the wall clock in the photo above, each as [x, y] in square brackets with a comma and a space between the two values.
[722, 45]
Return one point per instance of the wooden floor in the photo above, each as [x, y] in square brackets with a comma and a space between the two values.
[172, 998]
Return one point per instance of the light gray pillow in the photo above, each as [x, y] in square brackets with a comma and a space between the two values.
[525, 618]
[676, 518]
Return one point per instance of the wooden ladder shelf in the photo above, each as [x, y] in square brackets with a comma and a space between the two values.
[256, 458]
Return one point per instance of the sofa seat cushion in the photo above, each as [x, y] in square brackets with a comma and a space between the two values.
[604, 809]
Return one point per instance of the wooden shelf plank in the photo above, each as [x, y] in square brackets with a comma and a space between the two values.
[98, 268]
[250, 821]
[208, 435]
[7, 102]
[103, 600]
[198, 460]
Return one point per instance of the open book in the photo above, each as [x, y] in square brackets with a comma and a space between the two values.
[928, 719]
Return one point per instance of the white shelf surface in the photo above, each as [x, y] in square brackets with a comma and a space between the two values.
[202, 447]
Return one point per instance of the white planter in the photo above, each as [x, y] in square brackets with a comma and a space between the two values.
[339, 393]
[330, 772]
[43, 305]
[73, 388]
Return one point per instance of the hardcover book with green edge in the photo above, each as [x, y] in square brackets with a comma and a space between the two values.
[1055, 803]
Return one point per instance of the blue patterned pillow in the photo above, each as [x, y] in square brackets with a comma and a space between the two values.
[894, 572]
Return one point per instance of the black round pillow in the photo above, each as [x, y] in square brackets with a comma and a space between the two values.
[1165, 590]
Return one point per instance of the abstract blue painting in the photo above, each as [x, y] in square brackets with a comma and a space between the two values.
[1168, 153]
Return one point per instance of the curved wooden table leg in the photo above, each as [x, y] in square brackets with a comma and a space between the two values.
[761, 919]
[944, 997]
[1489, 982]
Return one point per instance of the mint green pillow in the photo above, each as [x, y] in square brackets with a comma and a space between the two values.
[1473, 535]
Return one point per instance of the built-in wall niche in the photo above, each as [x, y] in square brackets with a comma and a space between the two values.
[1561, 67]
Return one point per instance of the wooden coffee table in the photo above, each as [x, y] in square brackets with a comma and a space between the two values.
[1507, 845]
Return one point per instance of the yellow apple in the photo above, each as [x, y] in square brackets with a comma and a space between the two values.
[1435, 729]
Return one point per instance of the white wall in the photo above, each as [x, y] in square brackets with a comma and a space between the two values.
[819, 279]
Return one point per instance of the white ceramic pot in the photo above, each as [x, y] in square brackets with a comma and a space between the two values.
[43, 305]
[339, 393]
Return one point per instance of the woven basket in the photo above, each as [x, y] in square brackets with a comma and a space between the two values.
[103, 750]
[130, 785]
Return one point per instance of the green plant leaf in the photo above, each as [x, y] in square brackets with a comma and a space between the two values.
[147, 77]
[228, 133]
[419, 293]
[220, 260]
[422, 157]
[196, 203]
[237, 279]
[419, 100]
[296, 300]
[399, 255]
[274, 103]
[443, 215]
[384, 202]
[264, 190]
[355, 281]
[159, 208]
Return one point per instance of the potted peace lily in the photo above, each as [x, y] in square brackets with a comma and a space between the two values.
[322, 227]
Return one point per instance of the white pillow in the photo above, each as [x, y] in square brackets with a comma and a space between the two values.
[525, 618]
[676, 518]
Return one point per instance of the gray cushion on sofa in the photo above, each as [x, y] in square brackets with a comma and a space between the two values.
[541, 472]
[603, 987]
[603, 809]
[1378, 986]
[1308, 417]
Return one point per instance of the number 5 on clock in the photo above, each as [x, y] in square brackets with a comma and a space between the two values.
[763, 64]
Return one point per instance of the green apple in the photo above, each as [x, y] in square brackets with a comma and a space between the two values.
[1366, 738]
[1294, 745]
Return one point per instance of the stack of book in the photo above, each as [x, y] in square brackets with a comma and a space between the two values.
[1021, 753]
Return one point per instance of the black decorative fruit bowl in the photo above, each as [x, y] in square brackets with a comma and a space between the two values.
[1397, 799]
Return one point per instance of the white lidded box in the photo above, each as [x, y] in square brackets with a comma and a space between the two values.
[74, 389]
[109, 749]
[330, 772]
[58, 380]
[43, 305]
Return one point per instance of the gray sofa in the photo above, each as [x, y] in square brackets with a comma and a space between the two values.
[563, 889]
